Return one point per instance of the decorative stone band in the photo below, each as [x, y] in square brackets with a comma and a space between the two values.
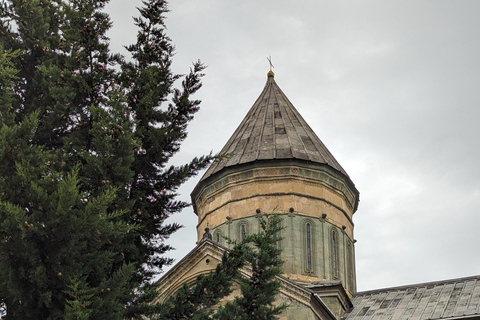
[317, 176]
[284, 215]
[206, 214]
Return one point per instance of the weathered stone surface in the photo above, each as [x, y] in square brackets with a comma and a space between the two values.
[293, 246]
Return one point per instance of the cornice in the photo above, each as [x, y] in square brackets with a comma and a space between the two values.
[316, 175]
[171, 282]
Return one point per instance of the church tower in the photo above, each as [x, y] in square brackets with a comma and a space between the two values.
[275, 163]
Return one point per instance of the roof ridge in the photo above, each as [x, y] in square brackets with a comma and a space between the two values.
[264, 121]
[289, 115]
[274, 136]
[417, 285]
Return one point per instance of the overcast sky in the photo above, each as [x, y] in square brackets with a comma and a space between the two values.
[390, 87]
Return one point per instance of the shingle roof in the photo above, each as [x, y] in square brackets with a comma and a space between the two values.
[273, 129]
[450, 299]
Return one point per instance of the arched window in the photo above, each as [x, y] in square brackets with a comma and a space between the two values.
[334, 254]
[351, 266]
[242, 229]
[217, 237]
[309, 246]
[308, 254]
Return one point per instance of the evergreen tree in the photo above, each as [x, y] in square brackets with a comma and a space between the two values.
[258, 292]
[85, 140]
[260, 289]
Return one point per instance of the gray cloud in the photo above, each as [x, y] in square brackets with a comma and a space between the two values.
[390, 87]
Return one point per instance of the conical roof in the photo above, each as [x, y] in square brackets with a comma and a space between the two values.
[273, 129]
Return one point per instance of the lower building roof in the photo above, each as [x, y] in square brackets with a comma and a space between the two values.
[449, 299]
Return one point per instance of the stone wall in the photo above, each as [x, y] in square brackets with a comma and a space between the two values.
[316, 202]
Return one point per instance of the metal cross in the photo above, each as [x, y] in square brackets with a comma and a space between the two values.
[270, 61]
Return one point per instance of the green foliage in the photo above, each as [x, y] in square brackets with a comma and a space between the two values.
[7, 81]
[258, 292]
[79, 304]
[85, 140]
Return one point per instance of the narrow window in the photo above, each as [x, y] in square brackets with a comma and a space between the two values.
[350, 265]
[243, 232]
[334, 254]
[218, 237]
[309, 248]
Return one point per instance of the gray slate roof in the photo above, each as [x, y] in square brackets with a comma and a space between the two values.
[450, 299]
[273, 129]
